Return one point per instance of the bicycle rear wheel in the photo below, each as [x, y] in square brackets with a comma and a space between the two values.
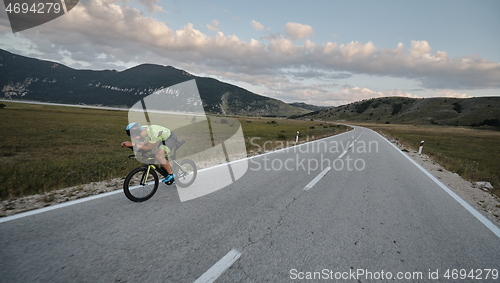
[186, 173]
[140, 185]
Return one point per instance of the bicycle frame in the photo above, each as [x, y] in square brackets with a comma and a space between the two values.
[158, 169]
[182, 168]
[145, 176]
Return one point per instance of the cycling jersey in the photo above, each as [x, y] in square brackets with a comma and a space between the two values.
[163, 137]
[156, 134]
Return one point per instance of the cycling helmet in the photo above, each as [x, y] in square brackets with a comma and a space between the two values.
[133, 129]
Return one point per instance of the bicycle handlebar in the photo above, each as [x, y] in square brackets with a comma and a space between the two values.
[148, 154]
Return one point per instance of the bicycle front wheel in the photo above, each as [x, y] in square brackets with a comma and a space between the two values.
[141, 184]
[185, 173]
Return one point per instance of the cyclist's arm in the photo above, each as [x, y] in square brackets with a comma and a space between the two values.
[131, 144]
[144, 146]
[127, 144]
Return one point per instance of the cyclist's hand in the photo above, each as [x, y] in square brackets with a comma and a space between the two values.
[126, 144]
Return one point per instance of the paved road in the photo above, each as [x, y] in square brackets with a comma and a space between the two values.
[378, 213]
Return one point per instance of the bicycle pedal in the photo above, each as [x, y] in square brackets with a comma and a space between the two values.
[170, 182]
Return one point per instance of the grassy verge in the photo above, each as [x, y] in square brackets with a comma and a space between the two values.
[262, 134]
[471, 153]
[44, 148]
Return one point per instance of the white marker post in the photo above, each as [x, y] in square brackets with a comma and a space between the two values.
[420, 148]
[297, 137]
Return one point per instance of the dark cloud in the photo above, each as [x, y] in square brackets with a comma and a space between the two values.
[320, 75]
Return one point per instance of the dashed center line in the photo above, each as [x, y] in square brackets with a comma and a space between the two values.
[217, 269]
[342, 155]
[315, 180]
[350, 146]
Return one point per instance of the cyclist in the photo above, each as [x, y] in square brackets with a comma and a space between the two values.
[153, 137]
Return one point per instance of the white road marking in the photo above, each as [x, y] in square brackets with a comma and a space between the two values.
[342, 155]
[315, 180]
[350, 146]
[217, 269]
[49, 208]
[323, 173]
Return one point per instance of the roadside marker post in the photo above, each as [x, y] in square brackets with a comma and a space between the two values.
[297, 137]
[420, 148]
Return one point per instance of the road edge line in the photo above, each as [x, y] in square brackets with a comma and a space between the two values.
[493, 228]
[56, 206]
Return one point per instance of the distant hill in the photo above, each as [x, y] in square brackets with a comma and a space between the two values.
[308, 106]
[476, 111]
[33, 79]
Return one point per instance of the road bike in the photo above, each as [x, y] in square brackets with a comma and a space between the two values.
[142, 182]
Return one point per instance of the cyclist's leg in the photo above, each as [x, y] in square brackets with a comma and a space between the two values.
[160, 156]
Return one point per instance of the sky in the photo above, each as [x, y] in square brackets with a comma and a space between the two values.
[319, 52]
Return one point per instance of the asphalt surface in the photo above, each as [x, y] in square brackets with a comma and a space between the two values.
[377, 216]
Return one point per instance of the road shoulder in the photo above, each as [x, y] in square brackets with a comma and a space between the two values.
[475, 195]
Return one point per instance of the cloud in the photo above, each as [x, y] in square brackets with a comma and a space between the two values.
[283, 46]
[313, 93]
[451, 93]
[151, 5]
[354, 93]
[356, 49]
[419, 48]
[256, 25]
[329, 47]
[321, 75]
[213, 26]
[432, 70]
[297, 31]
[326, 94]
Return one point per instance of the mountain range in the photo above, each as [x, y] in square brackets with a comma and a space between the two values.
[33, 79]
